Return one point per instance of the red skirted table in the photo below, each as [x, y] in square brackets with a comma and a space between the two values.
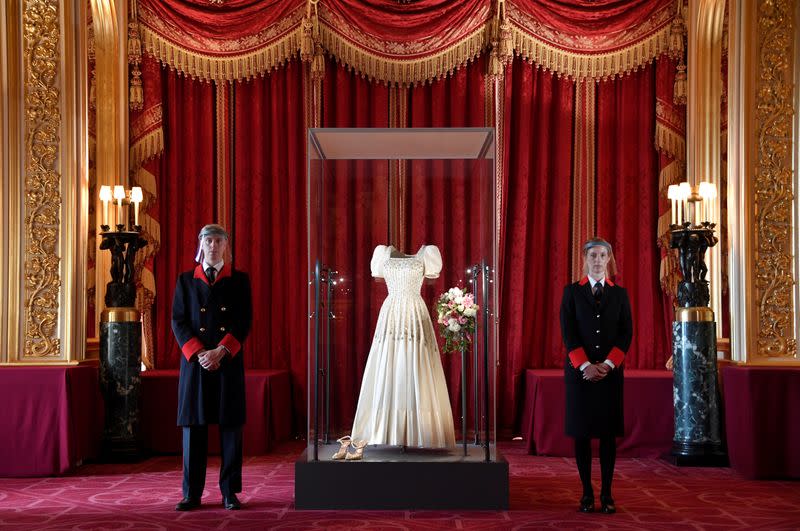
[649, 424]
[268, 403]
[52, 419]
[762, 418]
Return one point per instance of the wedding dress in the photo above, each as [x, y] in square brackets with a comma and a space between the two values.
[403, 399]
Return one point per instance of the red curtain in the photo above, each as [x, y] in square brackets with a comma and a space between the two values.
[185, 195]
[269, 218]
[627, 206]
[536, 245]
[356, 199]
[443, 209]
[425, 25]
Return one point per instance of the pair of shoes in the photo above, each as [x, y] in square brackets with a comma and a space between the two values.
[341, 453]
[231, 502]
[587, 504]
[359, 453]
[187, 504]
[607, 505]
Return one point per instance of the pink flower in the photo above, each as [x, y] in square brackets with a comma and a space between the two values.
[462, 320]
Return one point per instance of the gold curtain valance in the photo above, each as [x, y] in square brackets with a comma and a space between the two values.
[408, 62]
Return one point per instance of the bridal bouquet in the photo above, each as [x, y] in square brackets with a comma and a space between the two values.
[456, 312]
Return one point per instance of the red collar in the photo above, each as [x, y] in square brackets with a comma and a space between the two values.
[584, 280]
[199, 273]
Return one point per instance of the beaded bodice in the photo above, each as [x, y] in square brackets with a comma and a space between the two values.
[404, 275]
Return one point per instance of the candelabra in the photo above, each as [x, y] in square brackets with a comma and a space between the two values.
[120, 327]
[697, 439]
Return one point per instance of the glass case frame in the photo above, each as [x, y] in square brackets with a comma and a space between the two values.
[396, 173]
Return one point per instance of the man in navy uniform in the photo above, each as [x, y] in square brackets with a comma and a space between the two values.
[597, 328]
[211, 314]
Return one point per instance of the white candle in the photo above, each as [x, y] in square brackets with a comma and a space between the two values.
[686, 192]
[119, 195]
[672, 193]
[136, 198]
[105, 197]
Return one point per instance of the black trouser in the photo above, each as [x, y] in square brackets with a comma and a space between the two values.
[583, 458]
[195, 451]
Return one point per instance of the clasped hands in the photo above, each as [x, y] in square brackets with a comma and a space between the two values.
[210, 359]
[596, 371]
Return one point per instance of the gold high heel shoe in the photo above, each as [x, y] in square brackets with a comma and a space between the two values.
[342, 452]
[359, 453]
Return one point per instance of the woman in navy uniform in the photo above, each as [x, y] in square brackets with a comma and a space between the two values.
[597, 328]
[211, 314]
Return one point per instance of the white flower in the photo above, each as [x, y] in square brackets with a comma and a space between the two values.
[461, 308]
[454, 326]
[459, 300]
[455, 292]
[470, 312]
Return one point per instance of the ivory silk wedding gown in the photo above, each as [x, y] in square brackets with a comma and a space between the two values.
[403, 398]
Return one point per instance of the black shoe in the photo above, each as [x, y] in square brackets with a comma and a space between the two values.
[587, 504]
[607, 505]
[231, 502]
[187, 504]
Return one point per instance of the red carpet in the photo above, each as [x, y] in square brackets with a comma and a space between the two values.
[650, 494]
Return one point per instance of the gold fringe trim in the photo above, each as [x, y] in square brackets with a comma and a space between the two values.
[401, 71]
[231, 68]
[669, 142]
[673, 173]
[599, 66]
[149, 146]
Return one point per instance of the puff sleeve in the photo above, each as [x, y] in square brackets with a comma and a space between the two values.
[432, 259]
[378, 260]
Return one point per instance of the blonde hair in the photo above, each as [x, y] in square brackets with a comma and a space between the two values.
[611, 267]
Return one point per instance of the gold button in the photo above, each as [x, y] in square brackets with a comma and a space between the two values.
[202, 310]
[202, 329]
[223, 309]
[221, 328]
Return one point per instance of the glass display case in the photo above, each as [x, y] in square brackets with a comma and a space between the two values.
[396, 218]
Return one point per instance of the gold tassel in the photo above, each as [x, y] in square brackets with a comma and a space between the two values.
[309, 32]
[134, 43]
[307, 40]
[679, 96]
[90, 43]
[93, 91]
[318, 64]
[676, 33]
[136, 95]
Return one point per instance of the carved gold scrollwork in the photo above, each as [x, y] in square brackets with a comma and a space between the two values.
[773, 180]
[42, 177]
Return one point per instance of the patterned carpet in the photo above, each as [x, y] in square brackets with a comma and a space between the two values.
[650, 493]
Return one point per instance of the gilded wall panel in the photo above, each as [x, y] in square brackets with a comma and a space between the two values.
[773, 180]
[42, 125]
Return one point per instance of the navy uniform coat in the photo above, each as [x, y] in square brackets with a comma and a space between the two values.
[203, 317]
[595, 332]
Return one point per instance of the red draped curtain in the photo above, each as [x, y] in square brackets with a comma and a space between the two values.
[357, 195]
[628, 209]
[430, 63]
[536, 245]
[186, 195]
[269, 216]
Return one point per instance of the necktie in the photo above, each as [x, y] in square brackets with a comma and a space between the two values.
[597, 291]
[211, 273]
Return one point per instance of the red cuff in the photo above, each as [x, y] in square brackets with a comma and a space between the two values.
[616, 356]
[231, 343]
[191, 347]
[577, 357]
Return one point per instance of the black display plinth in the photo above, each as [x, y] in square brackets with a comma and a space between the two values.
[698, 433]
[389, 478]
[120, 362]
